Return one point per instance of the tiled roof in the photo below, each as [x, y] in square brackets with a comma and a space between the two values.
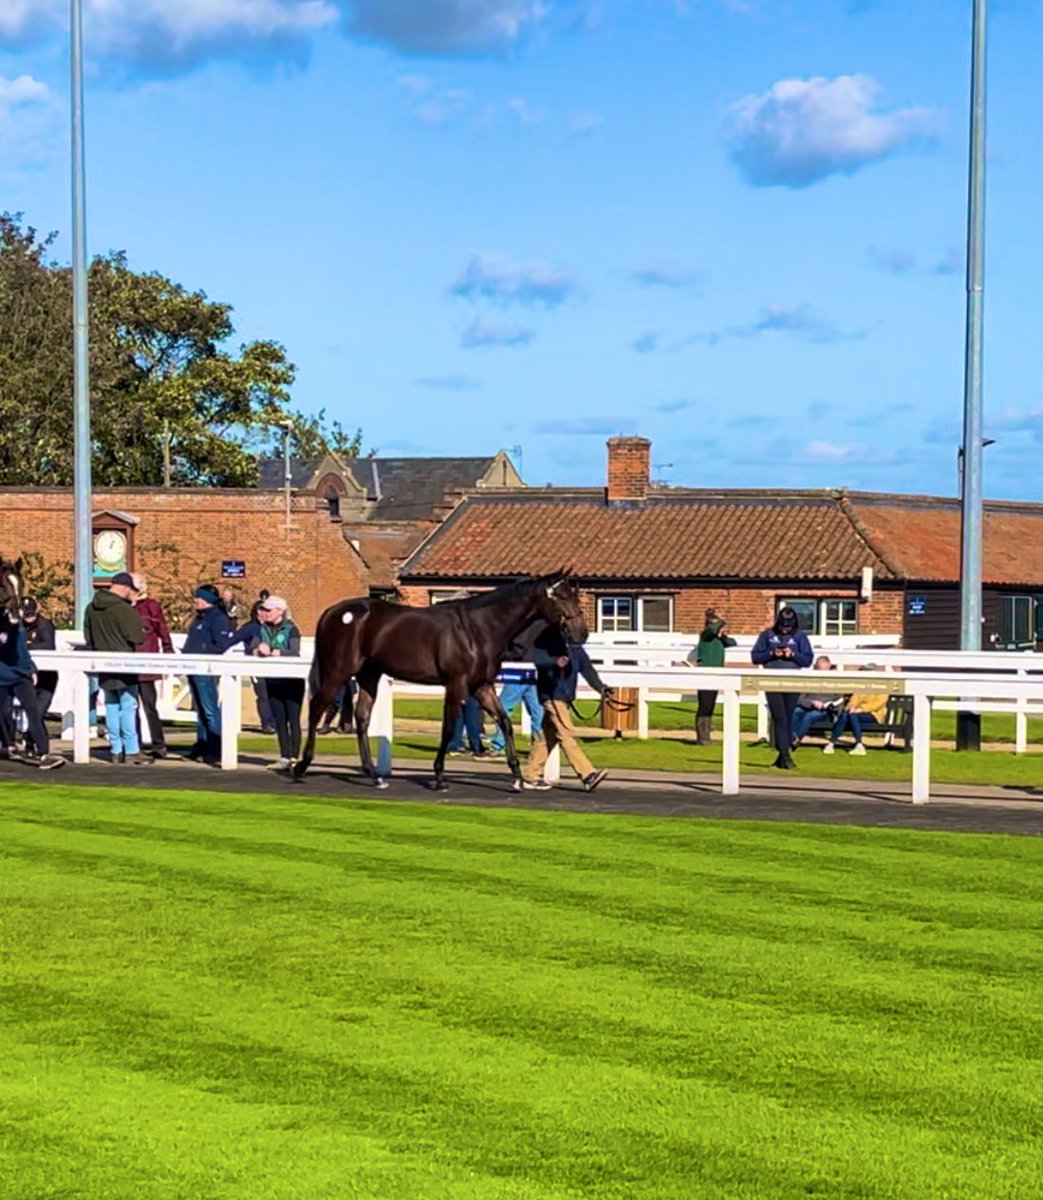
[923, 538]
[271, 472]
[667, 537]
[690, 534]
[383, 548]
[410, 489]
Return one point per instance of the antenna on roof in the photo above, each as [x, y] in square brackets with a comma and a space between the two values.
[660, 467]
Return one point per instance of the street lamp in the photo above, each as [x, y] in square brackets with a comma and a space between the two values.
[968, 725]
[83, 550]
[959, 463]
[286, 425]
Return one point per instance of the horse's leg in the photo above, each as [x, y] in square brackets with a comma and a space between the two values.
[368, 680]
[455, 694]
[321, 697]
[490, 701]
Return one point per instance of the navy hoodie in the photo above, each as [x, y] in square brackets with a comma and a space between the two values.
[15, 664]
[209, 633]
[763, 652]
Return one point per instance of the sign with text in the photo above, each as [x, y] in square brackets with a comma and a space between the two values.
[233, 569]
[917, 606]
[821, 681]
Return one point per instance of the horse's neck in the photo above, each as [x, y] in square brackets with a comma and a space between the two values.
[509, 619]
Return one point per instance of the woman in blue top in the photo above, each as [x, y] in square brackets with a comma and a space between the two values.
[17, 676]
[783, 647]
[274, 635]
[209, 633]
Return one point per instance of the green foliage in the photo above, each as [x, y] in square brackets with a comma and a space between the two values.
[51, 583]
[275, 997]
[170, 396]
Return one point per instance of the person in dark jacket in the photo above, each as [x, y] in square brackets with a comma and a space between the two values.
[264, 709]
[157, 641]
[513, 694]
[709, 652]
[40, 635]
[110, 624]
[17, 673]
[276, 636]
[209, 633]
[558, 668]
[783, 647]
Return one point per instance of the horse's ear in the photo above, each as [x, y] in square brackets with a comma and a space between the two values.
[18, 566]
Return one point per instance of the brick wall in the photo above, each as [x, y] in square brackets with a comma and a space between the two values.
[184, 534]
[629, 468]
[748, 609]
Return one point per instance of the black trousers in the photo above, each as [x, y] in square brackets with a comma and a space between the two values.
[286, 697]
[25, 694]
[264, 708]
[148, 702]
[781, 706]
[707, 703]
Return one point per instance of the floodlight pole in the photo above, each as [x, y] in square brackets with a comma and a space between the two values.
[969, 724]
[83, 549]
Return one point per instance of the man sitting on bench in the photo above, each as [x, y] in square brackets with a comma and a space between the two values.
[862, 711]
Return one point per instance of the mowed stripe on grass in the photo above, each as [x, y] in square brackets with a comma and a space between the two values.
[253, 996]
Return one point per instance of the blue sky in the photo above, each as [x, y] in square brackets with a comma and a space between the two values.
[733, 226]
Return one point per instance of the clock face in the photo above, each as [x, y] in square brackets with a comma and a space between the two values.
[110, 549]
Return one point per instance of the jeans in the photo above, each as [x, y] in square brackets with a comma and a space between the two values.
[208, 716]
[804, 718]
[510, 697]
[469, 719]
[121, 720]
[92, 701]
[857, 721]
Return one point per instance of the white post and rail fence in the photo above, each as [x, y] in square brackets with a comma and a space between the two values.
[989, 681]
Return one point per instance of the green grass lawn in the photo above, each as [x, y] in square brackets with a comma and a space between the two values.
[270, 998]
[996, 768]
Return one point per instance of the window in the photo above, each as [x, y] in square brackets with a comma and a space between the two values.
[828, 618]
[1017, 621]
[333, 503]
[640, 614]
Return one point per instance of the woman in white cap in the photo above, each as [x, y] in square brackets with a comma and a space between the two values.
[274, 635]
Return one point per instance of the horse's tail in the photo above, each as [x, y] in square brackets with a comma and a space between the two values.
[331, 668]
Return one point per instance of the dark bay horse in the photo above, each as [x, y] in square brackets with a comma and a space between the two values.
[459, 644]
[12, 588]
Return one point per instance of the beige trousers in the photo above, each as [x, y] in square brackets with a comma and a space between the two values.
[557, 730]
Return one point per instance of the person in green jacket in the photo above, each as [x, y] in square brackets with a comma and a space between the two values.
[709, 652]
[111, 624]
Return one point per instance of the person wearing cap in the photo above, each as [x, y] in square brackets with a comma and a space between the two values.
[783, 647]
[274, 635]
[40, 635]
[111, 625]
[209, 633]
[157, 641]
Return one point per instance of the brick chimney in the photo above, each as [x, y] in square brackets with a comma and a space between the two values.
[629, 469]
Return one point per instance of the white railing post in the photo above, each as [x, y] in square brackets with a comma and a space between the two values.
[921, 748]
[526, 720]
[230, 698]
[1021, 722]
[81, 718]
[642, 713]
[730, 770]
[763, 718]
[552, 771]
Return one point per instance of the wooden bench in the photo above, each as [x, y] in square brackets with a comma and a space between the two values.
[898, 720]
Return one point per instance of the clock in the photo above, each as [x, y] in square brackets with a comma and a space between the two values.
[110, 551]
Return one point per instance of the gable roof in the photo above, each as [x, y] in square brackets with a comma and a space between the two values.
[700, 534]
[271, 472]
[411, 489]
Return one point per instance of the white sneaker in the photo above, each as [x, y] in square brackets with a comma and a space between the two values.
[857, 748]
[828, 748]
[280, 764]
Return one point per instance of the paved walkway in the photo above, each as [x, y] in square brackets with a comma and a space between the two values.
[1014, 810]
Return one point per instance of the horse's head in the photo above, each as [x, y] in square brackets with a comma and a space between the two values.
[12, 588]
[559, 605]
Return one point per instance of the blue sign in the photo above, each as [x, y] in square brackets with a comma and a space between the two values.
[235, 569]
[917, 606]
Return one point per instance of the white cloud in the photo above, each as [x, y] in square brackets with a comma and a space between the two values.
[803, 130]
[501, 282]
[445, 27]
[25, 90]
[24, 117]
[481, 335]
[797, 320]
[665, 274]
[1019, 420]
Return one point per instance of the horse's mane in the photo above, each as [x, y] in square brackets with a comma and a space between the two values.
[521, 586]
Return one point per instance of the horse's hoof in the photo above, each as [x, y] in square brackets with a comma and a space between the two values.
[516, 786]
[380, 783]
[438, 785]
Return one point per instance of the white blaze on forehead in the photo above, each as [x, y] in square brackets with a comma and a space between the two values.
[13, 582]
[348, 617]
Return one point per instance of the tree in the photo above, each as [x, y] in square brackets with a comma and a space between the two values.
[170, 400]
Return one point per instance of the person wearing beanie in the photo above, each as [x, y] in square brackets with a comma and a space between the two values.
[209, 633]
[709, 652]
[783, 647]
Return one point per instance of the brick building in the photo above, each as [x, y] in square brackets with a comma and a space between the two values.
[654, 558]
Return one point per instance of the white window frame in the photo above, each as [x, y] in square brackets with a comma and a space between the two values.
[636, 602]
[824, 625]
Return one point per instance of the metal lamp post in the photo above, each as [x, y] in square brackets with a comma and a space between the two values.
[968, 726]
[83, 549]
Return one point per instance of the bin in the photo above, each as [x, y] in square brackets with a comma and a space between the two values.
[621, 720]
